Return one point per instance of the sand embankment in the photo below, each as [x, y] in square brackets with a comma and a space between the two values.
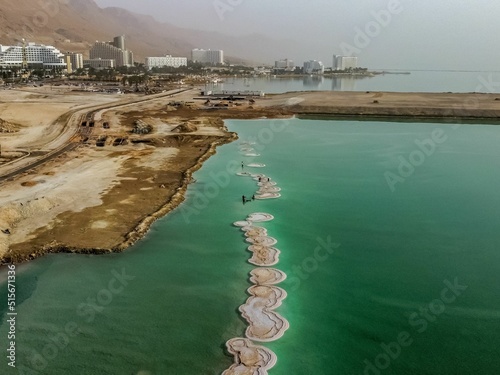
[390, 104]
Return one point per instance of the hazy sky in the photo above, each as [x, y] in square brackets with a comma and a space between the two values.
[423, 34]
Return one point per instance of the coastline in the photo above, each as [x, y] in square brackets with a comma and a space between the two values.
[352, 105]
[192, 148]
[143, 226]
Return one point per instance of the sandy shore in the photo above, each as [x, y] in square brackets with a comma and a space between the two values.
[103, 199]
[473, 106]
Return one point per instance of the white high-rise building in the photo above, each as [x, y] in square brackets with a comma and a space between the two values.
[119, 42]
[314, 67]
[113, 51]
[207, 56]
[169, 61]
[36, 55]
[285, 64]
[344, 62]
[106, 51]
[76, 60]
[100, 63]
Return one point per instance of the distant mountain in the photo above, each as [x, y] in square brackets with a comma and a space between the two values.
[74, 25]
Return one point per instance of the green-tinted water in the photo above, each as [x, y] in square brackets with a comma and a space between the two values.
[397, 253]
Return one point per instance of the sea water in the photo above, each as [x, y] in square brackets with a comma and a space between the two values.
[389, 237]
[416, 81]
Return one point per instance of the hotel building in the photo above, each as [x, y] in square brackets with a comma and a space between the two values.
[74, 61]
[344, 62]
[285, 64]
[113, 51]
[207, 56]
[168, 61]
[100, 63]
[314, 67]
[37, 55]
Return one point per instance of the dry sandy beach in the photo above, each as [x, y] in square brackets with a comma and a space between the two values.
[93, 199]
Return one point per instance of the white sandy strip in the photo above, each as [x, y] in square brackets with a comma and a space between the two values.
[260, 217]
[265, 324]
[264, 256]
[256, 165]
[267, 183]
[266, 276]
[262, 178]
[268, 196]
[249, 359]
[294, 101]
[243, 223]
[269, 189]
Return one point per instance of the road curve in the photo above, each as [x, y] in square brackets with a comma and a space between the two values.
[73, 142]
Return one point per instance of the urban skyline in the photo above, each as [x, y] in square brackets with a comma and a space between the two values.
[417, 31]
[112, 54]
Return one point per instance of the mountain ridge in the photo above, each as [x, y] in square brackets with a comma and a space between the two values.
[83, 22]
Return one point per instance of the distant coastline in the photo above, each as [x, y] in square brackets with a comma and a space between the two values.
[330, 75]
[361, 74]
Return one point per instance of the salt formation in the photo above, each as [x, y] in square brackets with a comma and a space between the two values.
[264, 323]
[249, 359]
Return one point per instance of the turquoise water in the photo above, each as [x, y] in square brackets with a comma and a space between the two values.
[417, 81]
[388, 254]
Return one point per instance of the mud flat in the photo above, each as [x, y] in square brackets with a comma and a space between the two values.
[390, 104]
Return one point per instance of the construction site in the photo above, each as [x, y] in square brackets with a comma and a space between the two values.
[89, 172]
